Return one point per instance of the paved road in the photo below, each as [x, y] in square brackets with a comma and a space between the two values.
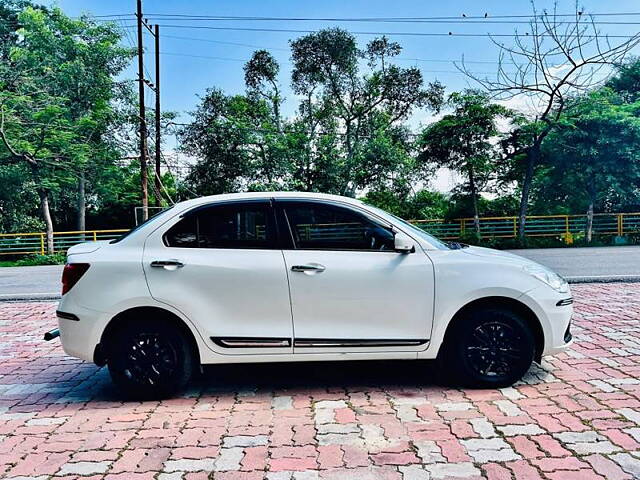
[30, 282]
[577, 264]
[593, 264]
[575, 417]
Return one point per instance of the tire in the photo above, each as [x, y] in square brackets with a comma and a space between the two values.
[150, 359]
[487, 348]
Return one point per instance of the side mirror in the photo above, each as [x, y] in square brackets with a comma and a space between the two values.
[403, 243]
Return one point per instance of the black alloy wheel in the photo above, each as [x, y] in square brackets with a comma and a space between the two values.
[150, 359]
[492, 349]
[487, 348]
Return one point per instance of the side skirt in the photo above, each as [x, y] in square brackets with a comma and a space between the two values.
[266, 342]
[350, 342]
[251, 342]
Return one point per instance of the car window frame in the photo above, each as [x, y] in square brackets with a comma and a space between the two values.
[288, 238]
[271, 220]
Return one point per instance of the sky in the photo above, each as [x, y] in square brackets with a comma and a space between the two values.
[205, 57]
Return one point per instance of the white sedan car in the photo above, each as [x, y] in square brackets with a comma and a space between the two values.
[279, 277]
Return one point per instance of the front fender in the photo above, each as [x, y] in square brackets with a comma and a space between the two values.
[462, 278]
[448, 309]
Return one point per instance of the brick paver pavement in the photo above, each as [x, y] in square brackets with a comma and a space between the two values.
[577, 417]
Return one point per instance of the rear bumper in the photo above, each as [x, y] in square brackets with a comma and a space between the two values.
[554, 312]
[79, 335]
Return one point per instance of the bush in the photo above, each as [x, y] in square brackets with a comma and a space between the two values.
[32, 260]
[579, 240]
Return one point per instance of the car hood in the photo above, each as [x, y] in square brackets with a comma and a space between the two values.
[498, 256]
[87, 247]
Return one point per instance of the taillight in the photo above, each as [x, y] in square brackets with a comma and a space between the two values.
[71, 274]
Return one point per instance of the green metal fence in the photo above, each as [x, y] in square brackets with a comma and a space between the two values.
[36, 242]
[536, 225]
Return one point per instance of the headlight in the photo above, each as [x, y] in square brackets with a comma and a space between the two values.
[549, 277]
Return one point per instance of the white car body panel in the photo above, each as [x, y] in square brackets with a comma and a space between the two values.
[243, 292]
[384, 295]
[228, 293]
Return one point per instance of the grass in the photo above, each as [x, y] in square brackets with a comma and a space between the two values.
[32, 260]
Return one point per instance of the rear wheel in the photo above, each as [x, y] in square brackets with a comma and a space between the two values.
[150, 359]
[490, 348]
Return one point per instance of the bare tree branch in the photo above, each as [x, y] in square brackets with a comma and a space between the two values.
[554, 59]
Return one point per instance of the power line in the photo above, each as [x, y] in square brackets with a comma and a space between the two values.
[208, 57]
[487, 18]
[462, 17]
[404, 34]
[265, 47]
[203, 56]
[208, 40]
[108, 16]
[438, 22]
[406, 59]
[400, 33]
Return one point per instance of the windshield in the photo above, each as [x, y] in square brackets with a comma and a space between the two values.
[146, 222]
[412, 228]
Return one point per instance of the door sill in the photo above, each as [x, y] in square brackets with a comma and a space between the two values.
[351, 343]
[251, 342]
[270, 342]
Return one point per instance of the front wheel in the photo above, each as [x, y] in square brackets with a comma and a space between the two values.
[488, 348]
[150, 359]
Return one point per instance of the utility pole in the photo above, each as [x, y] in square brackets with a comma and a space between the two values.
[157, 179]
[143, 122]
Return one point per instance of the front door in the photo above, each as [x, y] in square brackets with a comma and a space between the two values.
[220, 265]
[350, 291]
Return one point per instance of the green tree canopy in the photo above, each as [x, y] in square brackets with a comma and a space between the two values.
[56, 87]
[465, 141]
[349, 134]
[595, 152]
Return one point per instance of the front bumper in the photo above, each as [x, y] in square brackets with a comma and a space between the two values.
[554, 312]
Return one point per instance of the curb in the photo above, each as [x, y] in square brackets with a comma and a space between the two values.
[604, 279]
[33, 297]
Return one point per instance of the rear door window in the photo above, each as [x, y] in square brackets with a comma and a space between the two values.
[237, 225]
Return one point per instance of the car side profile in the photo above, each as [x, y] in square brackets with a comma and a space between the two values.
[279, 277]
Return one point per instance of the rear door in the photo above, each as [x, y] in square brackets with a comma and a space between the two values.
[350, 291]
[220, 265]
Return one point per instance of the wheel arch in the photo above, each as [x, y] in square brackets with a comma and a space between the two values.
[119, 321]
[508, 303]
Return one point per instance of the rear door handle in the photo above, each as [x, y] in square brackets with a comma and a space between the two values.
[167, 264]
[309, 268]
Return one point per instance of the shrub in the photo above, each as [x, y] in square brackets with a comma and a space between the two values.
[31, 260]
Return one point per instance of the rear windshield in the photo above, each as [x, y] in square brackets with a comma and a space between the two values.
[155, 217]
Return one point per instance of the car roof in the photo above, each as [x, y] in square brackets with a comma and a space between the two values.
[267, 195]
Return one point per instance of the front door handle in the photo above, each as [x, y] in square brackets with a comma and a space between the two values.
[167, 264]
[309, 268]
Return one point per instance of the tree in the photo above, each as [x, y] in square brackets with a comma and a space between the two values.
[626, 81]
[326, 73]
[10, 24]
[55, 87]
[261, 78]
[553, 60]
[349, 134]
[16, 194]
[596, 148]
[237, 144]
[465, 141]
[414, 205]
